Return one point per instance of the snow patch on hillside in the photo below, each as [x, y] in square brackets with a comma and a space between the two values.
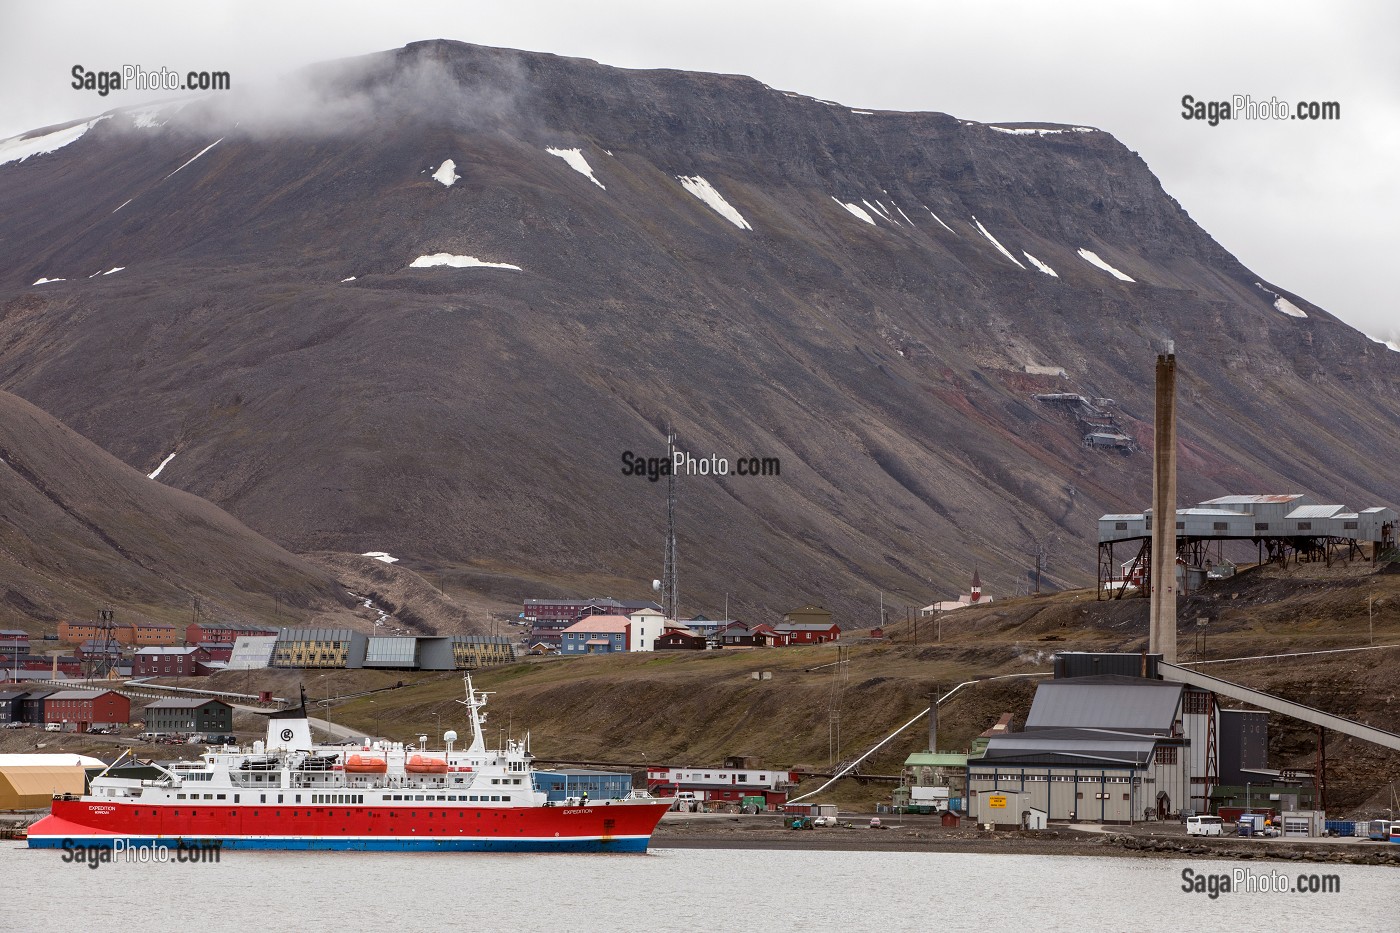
[123, 204]
[575, 160]
[348, 279]
[1040, 265]
[447, 174]
[995, 242]
[1032, 131]
[902, 214]
[43, 281]
[384, 556]
[864, 113]
[855, 209]
[940, 221]
[200, 153]
[17, 149]
[108, 272]
[458, 262]
[879, 210]
[1093, 259]
[1282, 304]
[156, 472]
[706, 192]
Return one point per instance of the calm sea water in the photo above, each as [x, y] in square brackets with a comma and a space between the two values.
[669, 889]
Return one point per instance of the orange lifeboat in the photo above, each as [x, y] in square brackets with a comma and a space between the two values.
[420, 765]
[363, 764]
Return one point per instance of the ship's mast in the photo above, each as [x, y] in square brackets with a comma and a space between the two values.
[475, 701]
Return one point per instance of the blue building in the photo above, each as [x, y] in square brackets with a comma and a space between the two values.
[574, 782]
[597, 635]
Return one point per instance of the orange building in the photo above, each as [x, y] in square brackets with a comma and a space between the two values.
[126, 633]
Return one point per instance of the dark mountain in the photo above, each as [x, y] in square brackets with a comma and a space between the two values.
[474, 418]
[80, 531]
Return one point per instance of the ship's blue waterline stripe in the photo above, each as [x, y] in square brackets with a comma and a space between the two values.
[359, 844]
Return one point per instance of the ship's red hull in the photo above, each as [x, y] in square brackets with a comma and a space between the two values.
[615, 826]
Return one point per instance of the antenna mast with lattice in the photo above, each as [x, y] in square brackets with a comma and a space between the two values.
[104, 641]
[670, 594]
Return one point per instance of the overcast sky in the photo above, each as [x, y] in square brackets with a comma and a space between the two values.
[1313, 207]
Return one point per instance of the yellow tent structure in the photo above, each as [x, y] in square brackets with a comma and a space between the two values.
[28, 782]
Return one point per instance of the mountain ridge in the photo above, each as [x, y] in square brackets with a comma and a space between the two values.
[473, 418]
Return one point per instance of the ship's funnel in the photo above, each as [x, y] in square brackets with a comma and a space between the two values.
[289, 729]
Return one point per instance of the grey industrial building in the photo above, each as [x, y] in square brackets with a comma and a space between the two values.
[1108, 748]
[1103, 744]
[1279, 525]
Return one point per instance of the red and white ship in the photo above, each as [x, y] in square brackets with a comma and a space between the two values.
[287, 793]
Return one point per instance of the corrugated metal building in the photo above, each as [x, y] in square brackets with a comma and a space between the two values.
[319, 648]
[1108, 748]
[251, 652]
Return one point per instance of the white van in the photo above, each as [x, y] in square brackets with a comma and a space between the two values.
[53, 727]
[1204, 825]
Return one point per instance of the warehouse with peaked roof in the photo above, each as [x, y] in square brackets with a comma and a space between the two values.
[1106, 748]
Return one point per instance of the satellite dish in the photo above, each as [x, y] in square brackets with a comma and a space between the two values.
[656, 585]
[449, 736]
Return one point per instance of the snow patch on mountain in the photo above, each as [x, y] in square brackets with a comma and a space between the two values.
[706, 192]
[108, 272]
[123, 204]
[1093, 259]
[458, 262]
[1282, 304]
[940, 221]
[156, 472]
[43, 281]
[1040, 265]
[575, 160]
[447, 174]
[383, 556]
[995, 242]
[879, 210]
[1033, 131]
[17, 148]
[855, 209]
[200, 153]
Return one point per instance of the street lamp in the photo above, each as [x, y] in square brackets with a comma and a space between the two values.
[1246, 796]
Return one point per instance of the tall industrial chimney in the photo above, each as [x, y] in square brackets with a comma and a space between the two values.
[1161, 637]
[933, 722]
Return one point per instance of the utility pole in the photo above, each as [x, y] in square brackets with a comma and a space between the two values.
[1370, 620]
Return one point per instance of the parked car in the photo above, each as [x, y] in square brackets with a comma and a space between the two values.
[875, 823]
[53, 727]
[15, 725]
[824, 821]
